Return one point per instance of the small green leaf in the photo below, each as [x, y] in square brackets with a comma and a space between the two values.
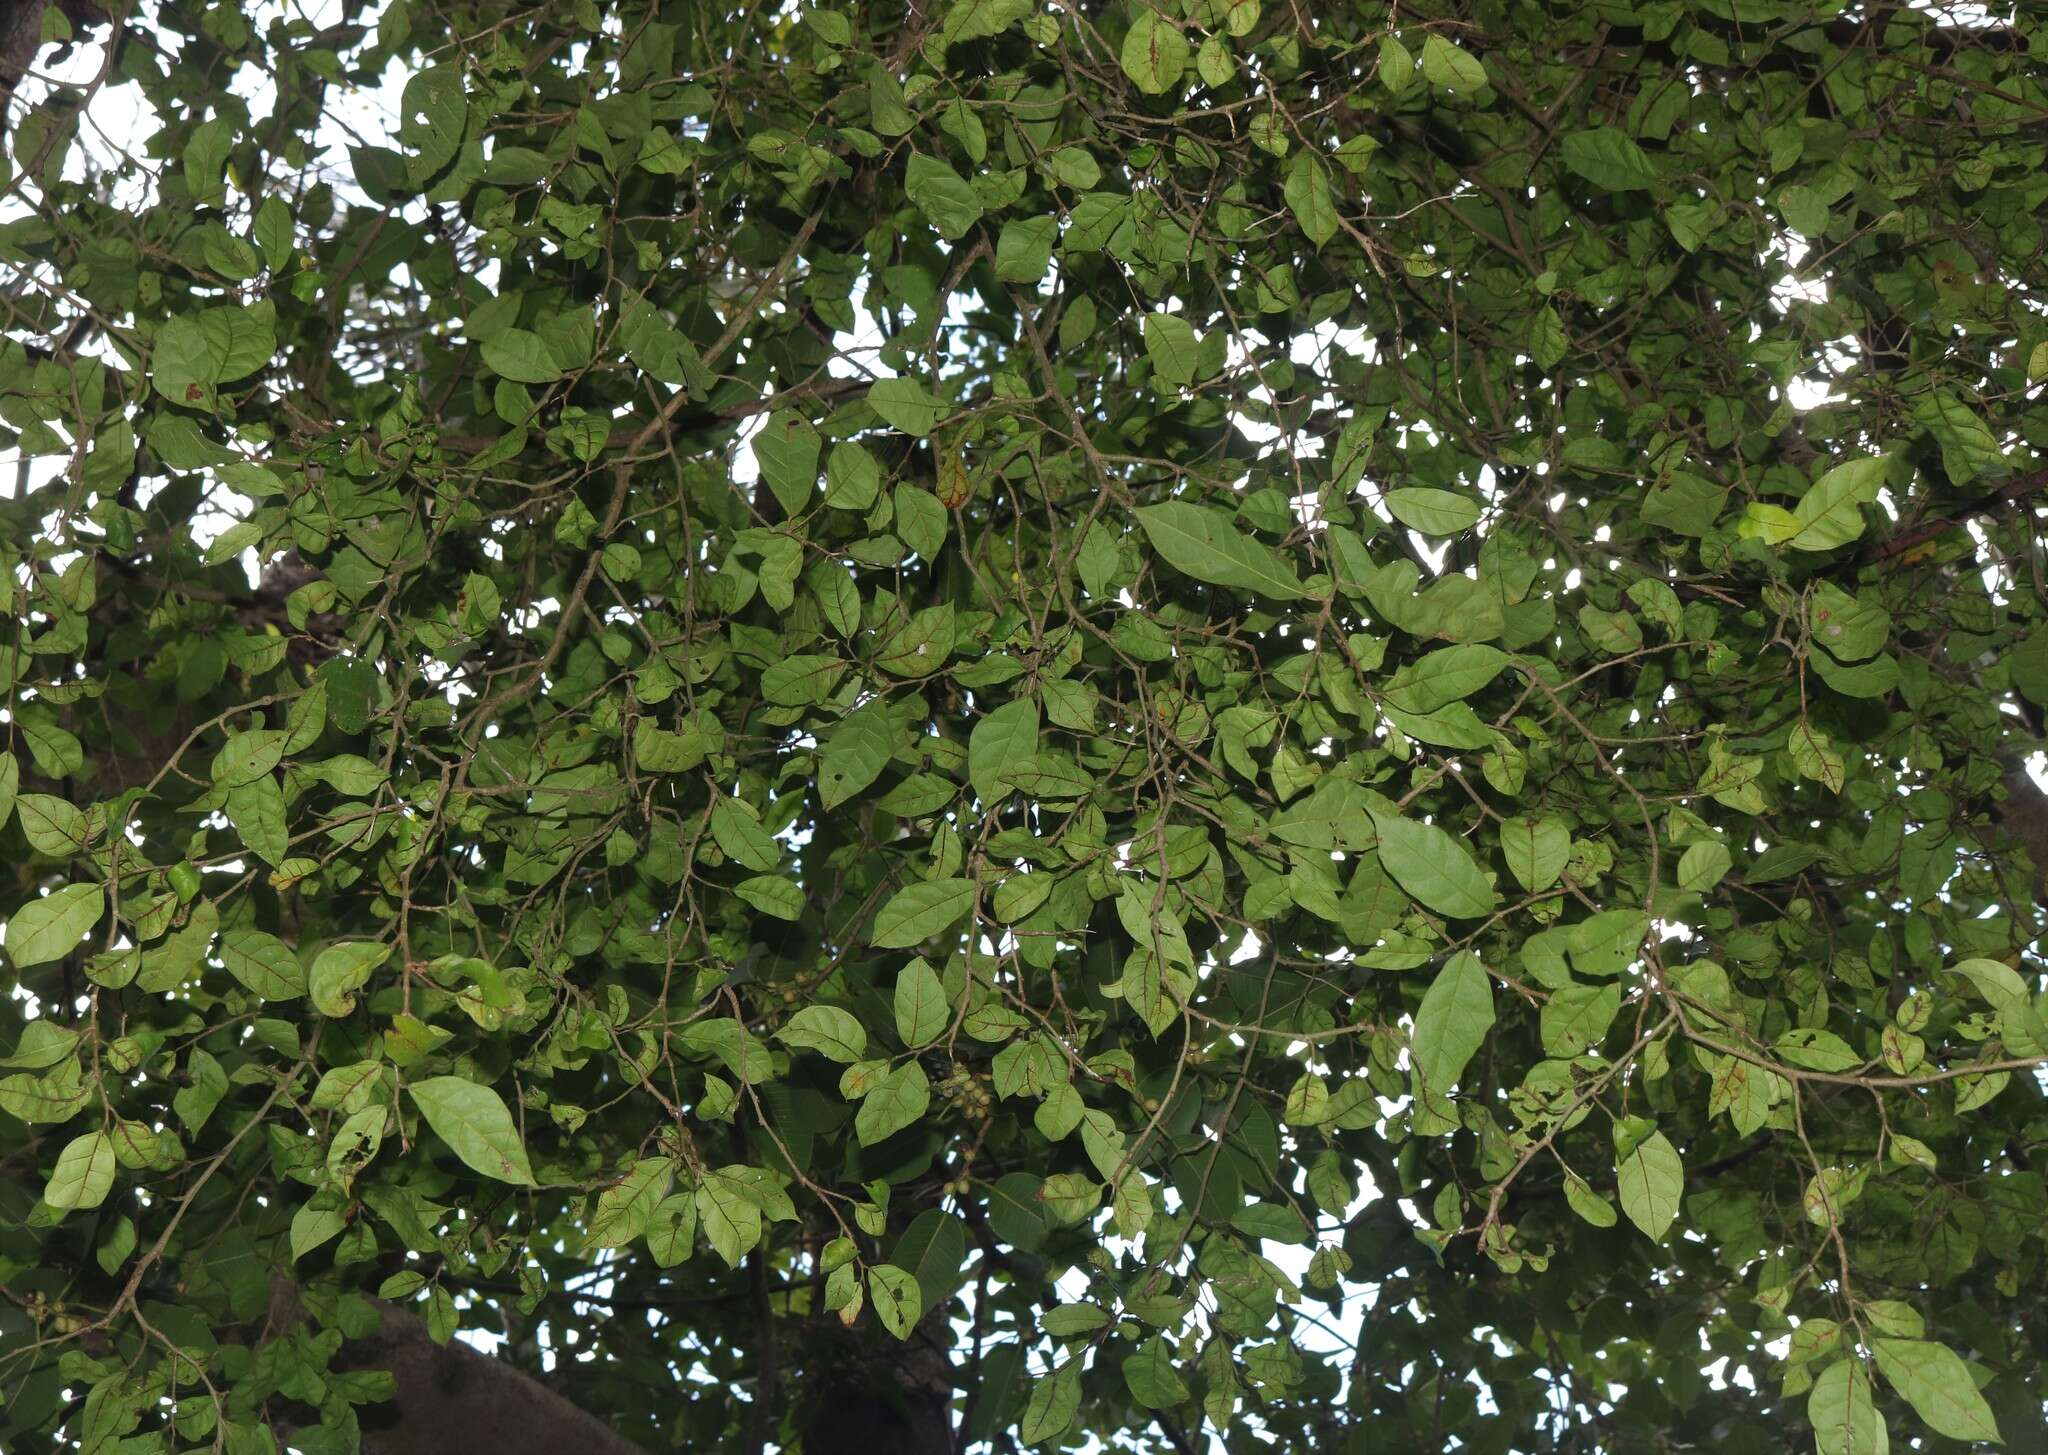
[728, 1213]
[1433, 512]
[1052, 1405]
[1309, 196]
[1151, 1378]
[1024, 249]
[1844, 1412]
[264, 964]
[1005, 739]
[787, 449]
[1537, 849]
[339, 971]
[1587, 1203]
[1703, 865]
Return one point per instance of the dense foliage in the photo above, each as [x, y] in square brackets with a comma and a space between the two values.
[1300, 723]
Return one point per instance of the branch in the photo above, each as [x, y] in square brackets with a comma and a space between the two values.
[761, 1418]
[2019, 488]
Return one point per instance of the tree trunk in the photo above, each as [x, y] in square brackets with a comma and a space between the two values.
[452, 1400]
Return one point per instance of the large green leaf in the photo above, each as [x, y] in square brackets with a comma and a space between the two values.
[920, 911]
[1433, 866]
[49, 928]
[1650, 1180]
[1202, 542]
[1452, 1021]
[1938, 1386]
[473, 1121]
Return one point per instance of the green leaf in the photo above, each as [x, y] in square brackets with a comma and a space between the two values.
[828, 1030]
[907, 405]
[264, 964]
[672, 1229]
[622, 1211]
[946, 200]
[729, 1214]
[50, 928]
[894, 1293]
[741, 836]
[1052, 1406]
[1587, 1203]
[895, 1102]
[787, 451]
[522, 356]
[1151, 1378]
[922, 1010]
[1070, 1319]
[1005, 739]
[1447, 675]
[1830, 514]
[52, 825]
[339, 971]
[1844, 1413]
[1155, 52]
[197, 352]
[1536, 850]
[1024, 249]
[473, 1121]
[1451, 66]
[1452, 1021]
[1433, 867]
[1651, 1180]
[1203, 543]
[1703, 865]
[1308, 195]
[933, 1249]
[84, 1173]
[920, 911]
[314, 1224]
[1171, 345]
[1609, 159]
[1395, 69]
[1433, 512]
[1576, 1018]
[1938, 1386]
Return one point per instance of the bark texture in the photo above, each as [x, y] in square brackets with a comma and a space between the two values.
[453, 1400]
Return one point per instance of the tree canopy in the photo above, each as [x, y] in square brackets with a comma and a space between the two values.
[1166, 725]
